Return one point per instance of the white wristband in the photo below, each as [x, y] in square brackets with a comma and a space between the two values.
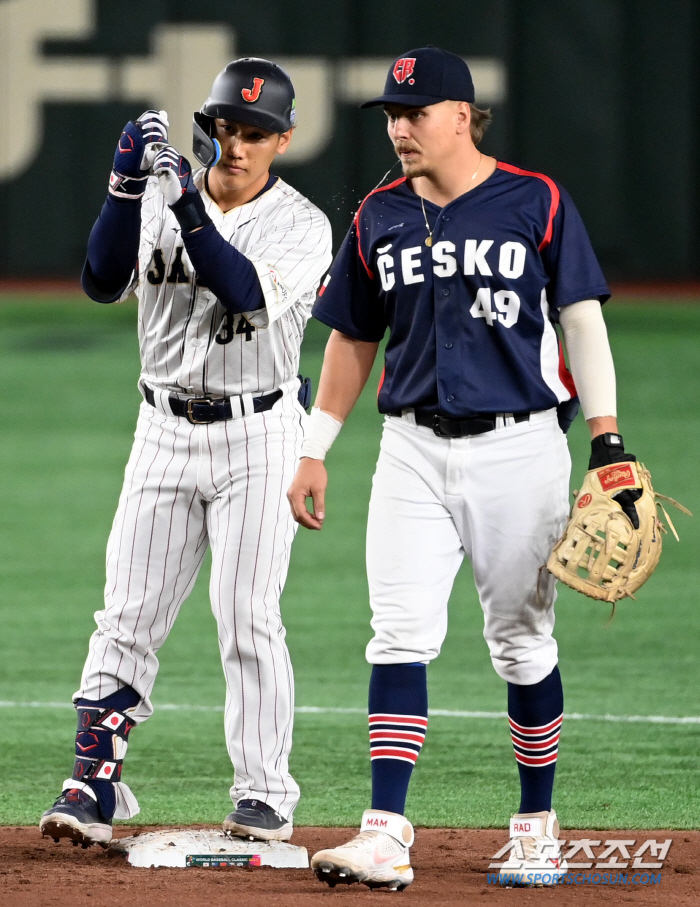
[321, 432]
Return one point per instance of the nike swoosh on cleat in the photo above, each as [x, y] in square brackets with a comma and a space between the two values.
[379, 860]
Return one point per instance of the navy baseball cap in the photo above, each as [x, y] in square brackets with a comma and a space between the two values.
[426, 76]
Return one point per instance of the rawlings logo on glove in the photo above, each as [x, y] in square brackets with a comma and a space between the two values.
[617, 477]
[602, 553]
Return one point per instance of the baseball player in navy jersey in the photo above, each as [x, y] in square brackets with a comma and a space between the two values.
[469, 263]
[225, 263]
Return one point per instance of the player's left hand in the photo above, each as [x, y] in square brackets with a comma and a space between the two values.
[154, 126]
[607, 449]
[602, 554]
[134, 153]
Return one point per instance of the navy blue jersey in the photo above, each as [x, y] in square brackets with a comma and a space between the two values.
[470, 317]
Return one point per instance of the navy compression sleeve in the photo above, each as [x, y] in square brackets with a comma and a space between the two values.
[224, 270]
[113, 249]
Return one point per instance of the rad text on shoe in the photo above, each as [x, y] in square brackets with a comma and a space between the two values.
[535, 858]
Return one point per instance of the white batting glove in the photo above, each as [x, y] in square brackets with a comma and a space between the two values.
[173, 172]
[179, 191]
[154, 126]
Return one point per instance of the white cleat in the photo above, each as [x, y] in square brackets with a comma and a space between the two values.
[378, 856]
[535, 859]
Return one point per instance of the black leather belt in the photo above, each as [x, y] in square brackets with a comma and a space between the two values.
[204, 410]
[445, 427]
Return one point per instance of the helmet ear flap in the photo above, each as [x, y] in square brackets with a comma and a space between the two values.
[206, 149]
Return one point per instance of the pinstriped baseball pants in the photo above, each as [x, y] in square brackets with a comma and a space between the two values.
[186, 487]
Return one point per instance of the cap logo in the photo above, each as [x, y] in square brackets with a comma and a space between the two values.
[403, 68]
[252, 94]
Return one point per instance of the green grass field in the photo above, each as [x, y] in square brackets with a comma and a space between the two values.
[69, 371]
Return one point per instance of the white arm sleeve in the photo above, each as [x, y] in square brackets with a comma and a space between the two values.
[590, 358]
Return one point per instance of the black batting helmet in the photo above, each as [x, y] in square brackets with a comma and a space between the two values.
[250, 90]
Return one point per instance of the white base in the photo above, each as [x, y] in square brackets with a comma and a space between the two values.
[210, 846]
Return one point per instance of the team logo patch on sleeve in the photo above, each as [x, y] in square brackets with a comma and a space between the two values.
[252, 94]
[403, 68]
[618, 476]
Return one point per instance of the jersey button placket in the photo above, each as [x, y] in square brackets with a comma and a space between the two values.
[443, 323]
[196, 348]
[190, 366]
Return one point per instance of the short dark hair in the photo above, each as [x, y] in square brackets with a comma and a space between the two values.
[481, 120]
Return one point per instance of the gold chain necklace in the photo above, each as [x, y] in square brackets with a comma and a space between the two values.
[429, 237]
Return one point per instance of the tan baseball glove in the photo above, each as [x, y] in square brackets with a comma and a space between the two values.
[601, 553]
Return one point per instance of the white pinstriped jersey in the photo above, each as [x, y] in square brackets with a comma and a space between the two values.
[189, 343]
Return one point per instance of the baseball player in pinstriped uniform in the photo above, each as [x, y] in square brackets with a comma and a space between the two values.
[225, 263]
[468, 262]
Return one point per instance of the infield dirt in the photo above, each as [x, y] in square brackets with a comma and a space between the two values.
[450, 866]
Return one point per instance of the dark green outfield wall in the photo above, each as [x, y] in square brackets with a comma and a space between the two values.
[601, 94]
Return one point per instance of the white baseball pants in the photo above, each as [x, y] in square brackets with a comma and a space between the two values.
[501, 498]
[187, 486]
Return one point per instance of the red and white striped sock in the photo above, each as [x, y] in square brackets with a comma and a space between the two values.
[535, 714]
[396, 737]
[398, 720]
[536, 746]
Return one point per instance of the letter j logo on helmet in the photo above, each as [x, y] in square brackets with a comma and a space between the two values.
[403, 69]
[252, 94]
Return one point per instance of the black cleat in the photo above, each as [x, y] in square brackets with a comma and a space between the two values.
[77, 816]
[257, 821]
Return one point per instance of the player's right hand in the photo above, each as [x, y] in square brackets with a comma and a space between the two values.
[134, 153]
[309, 482]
